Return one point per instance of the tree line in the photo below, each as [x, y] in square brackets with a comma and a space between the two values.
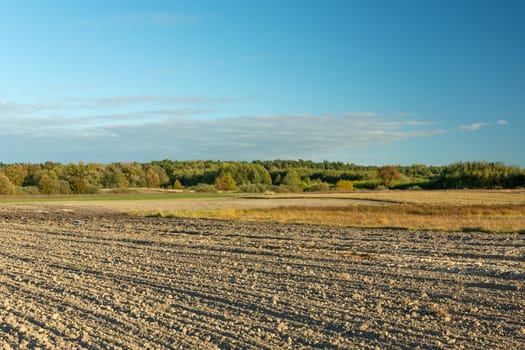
[256, 176]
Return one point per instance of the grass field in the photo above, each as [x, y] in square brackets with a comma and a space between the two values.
[109, 197]
[461, 210]
[489, 211]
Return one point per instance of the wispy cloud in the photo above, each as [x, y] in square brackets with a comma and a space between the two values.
[168, 104]
[317, 137]
[478, 126]
[473, 127]
[119, 101]
[146, 127]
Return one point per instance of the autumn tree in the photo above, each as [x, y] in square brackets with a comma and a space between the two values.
[78, 185]
[152, 178]
[112, 177]
[387, 174]
[134, 174]
[48, 185]
[225, 183]
[16, 173]
[6, 187]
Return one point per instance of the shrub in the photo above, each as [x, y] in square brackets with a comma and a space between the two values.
[318, 186]
[254, 188]
[366, 184]
[27, 190]
[123, 190]
[290, 188]
[204, 188]
[344, 185]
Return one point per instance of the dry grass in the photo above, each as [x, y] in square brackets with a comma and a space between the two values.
[451, 210]
[449, 197]
[489, 218]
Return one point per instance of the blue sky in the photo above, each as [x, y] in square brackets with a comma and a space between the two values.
[368, 82]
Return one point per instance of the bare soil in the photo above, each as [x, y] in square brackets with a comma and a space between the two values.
[73, 278]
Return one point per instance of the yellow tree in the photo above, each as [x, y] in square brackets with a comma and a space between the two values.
[225, 183]
[152, 178]
[16, 174]
[6, 187]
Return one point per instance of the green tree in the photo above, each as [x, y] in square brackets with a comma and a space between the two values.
[134, 174]
[112, 177]
[292, 178]
[177, 185]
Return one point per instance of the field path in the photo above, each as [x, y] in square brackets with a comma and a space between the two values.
[74, 279]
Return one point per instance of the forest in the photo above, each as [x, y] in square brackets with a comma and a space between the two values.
[256, 177]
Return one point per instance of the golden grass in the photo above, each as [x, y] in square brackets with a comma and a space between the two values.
[489, 218]
[449, 197]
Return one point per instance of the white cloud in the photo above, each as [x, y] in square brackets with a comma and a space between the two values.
[478, 126]
[151, 127]
[119, 101]
[316, 137]
[473, 127]
[115, 105]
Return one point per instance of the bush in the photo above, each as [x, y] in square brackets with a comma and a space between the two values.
[92, 189]
[290, 188]
[346, 185]
[366, 185]
[318, 186]
[27, 190]
[204, 188]
[254, 188]
[80, 186]
[121, 190]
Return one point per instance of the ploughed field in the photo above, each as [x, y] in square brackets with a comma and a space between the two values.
[76, 278]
